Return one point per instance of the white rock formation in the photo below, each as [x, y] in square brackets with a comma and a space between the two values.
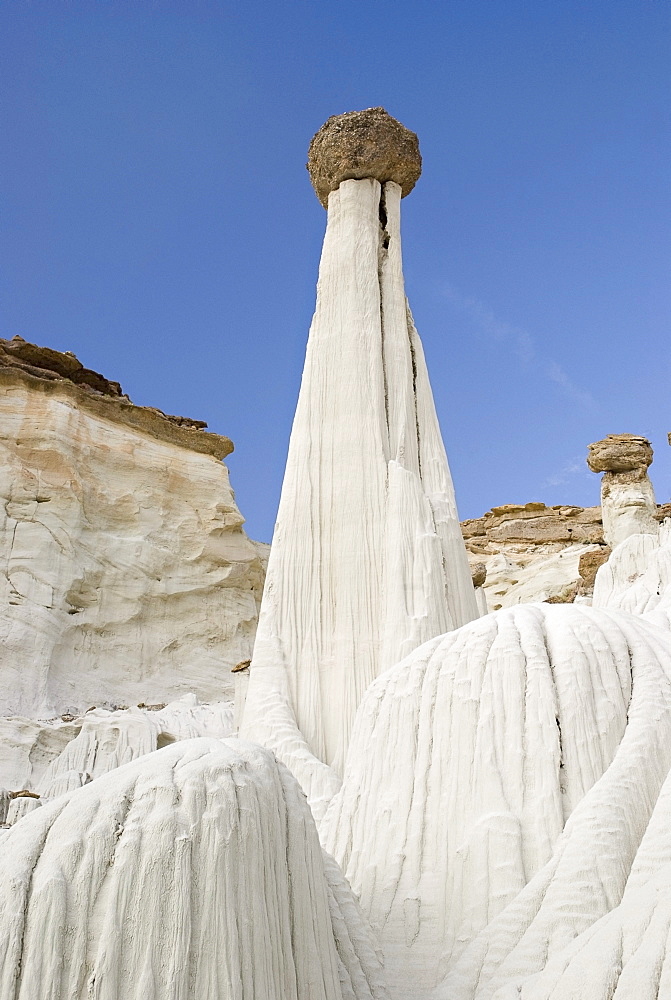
[367, 560]
[594, 923]
[194, 872]
[464, 814]
[20, 806]
[127, 576]
[53, 757]
[637, 576]
[625, 955]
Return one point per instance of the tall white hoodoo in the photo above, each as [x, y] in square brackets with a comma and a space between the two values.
[367, 560]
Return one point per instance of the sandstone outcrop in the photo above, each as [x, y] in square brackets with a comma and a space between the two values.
[532, 552]
[363, 144]
[589, 565]
[620, 453]
[127, 576]
[537, 524]
[45, 370]
[44, 362]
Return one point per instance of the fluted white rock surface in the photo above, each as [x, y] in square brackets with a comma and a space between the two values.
[637, 576]
[53, 757]
[194, 872]
[626, 955]
[367, 560]
[466, 813]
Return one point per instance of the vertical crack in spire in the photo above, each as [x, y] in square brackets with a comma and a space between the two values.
[382, 254]
[413, 359]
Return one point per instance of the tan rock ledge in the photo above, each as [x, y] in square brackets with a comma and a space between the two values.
[61, 373]
[362, 144]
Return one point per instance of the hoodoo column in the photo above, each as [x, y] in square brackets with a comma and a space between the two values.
[367, 559]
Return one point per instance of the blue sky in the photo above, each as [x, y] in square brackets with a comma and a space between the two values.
[159, 222]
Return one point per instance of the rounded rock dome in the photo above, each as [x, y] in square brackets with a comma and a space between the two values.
[360, 144]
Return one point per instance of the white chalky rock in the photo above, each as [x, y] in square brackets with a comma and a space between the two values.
[53, 757]
[637, 577]
[126, 575]
[194, 872]
[594, 923]
[20, 807]
[626, 955]
[464, 811]
[367, 560]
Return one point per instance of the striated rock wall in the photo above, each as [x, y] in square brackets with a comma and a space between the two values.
[126, 575]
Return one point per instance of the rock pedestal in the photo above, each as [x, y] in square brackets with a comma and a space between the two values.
[627, 496]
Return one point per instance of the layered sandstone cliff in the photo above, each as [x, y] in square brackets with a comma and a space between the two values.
[126, 575]
[536, 553]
